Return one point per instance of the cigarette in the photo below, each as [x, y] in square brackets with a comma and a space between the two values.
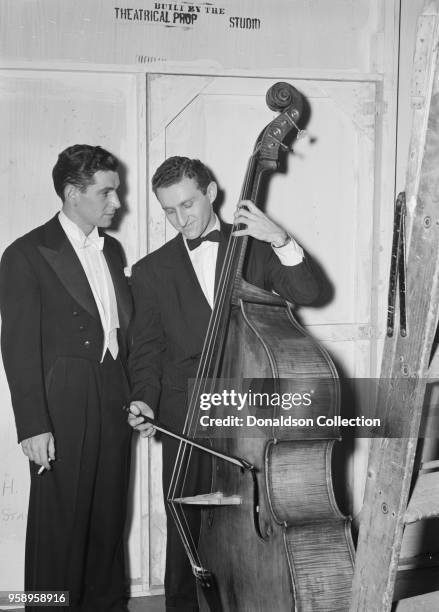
[42, 468]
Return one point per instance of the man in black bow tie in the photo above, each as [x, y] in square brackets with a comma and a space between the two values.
[65, 308]
[173, 290]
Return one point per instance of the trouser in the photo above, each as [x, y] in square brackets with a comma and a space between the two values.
[180, 586]
[77, 509]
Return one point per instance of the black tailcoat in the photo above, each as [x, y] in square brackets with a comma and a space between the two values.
[52, 341]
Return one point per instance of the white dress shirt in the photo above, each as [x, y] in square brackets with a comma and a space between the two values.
[89, 251]
[204, 257]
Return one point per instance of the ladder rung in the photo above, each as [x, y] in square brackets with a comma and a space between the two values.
[424, 502]
[415, 583]
[430, 465]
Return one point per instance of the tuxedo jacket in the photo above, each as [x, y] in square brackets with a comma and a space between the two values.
[48, 312]
[172, 315]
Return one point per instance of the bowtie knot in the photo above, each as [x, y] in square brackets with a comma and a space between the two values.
[95, 242]
[213, 236]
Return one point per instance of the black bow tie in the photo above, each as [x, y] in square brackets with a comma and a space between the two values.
[213, 236]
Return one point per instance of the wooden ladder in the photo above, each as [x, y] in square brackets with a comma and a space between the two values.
[391, 500]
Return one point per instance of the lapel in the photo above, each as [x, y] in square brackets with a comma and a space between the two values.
[123, 296]
[185, 298]
[180, 261]
[60, 255]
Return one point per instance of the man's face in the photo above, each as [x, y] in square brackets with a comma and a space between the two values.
[97, 205]
[188, 209]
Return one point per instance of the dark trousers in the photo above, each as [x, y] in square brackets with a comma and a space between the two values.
[180, 585]
[77, 510]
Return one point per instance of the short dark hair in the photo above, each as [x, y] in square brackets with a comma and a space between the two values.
[172, 170]
[77, 164]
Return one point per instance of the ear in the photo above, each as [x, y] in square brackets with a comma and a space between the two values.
[212, 191]
[70, 193]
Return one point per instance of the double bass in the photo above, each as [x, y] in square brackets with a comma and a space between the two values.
[272, 536]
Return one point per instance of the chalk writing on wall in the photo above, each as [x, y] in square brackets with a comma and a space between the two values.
[12, 498]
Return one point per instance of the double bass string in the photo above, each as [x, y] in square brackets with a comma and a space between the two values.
[225, 284]
[212, 333]
[204, 368]
[178, 514]
[206, 361]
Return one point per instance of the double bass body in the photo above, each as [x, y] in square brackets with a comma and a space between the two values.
[286, 546]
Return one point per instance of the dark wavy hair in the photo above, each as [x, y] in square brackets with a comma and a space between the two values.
[77, 164]
[175, 168]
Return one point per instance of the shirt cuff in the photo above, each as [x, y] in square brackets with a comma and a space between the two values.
[291, 254]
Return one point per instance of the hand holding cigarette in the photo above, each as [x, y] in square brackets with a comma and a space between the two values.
[40, 449]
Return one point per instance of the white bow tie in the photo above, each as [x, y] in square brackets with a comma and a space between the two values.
[97, 243]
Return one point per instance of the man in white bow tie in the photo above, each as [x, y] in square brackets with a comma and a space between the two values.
[65, 308]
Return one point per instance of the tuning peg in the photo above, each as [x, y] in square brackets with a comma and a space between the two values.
[301, 134]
